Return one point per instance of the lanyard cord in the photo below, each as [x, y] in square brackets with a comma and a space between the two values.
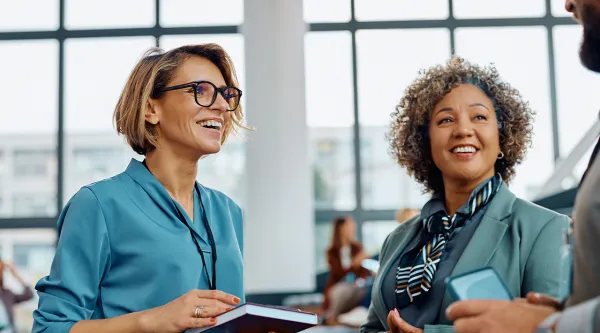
[212, 285]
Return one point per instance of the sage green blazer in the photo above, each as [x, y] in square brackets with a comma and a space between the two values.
[519, 239]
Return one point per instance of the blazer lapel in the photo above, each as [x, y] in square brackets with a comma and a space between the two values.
[485, 240]
[399, 240]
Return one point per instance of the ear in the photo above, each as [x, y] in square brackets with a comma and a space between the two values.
[152, 112]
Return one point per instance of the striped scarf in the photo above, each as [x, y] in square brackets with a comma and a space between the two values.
[417, 267]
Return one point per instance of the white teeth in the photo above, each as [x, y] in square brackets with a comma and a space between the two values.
[465, 149]
[211, 123]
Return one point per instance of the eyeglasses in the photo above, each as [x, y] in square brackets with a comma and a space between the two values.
[205, 93]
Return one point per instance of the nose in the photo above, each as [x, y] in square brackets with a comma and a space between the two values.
[463, 128]
[569, 6]
[220, 104]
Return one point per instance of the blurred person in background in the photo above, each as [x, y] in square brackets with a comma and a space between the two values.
[137, 252]
[346, 286]
[580, 311]
[9, 299]
[460, 130]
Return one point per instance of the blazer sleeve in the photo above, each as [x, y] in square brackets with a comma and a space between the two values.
[542, 273]
[69, 293]
[582, 318]
[373, 324]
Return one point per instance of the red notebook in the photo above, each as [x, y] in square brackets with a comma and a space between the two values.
[257, 318]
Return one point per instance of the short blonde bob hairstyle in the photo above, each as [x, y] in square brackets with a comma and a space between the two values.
[152, 73]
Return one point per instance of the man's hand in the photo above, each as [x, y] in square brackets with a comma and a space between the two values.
[398, 325]
[492, 316]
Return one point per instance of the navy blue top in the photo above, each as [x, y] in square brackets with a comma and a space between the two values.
[122, 249]
[426, 311]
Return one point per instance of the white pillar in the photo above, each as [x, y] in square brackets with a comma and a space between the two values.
[279, 213]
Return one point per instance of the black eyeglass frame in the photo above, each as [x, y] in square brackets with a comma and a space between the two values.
[217, 90]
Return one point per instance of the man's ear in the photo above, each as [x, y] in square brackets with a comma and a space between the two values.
[152, 112]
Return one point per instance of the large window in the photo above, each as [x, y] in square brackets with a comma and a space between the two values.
[28, 130]
[361, 55]
[68, 60]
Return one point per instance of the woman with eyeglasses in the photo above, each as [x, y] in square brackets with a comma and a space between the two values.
[151, 249]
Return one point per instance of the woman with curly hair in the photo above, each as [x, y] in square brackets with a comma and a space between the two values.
[460, 131]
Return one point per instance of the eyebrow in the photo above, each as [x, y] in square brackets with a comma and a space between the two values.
[449, 109]
[479, 104]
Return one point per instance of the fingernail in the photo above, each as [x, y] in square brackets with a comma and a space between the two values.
[396, 313]
[448, 309]
[229, 309]
[236, 300]
[213, 320]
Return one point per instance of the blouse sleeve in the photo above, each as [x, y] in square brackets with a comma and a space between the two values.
[69, 293]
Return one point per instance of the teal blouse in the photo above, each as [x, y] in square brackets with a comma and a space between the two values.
[122, 249]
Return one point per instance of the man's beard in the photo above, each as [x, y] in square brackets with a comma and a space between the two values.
[589, 53]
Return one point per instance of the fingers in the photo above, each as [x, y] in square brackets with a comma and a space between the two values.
[541, 299]
[467, 325]
[392, 323]
[403, 325]
[470, 308]
[201, 322]
[218, 295]
[398, 325]
[211, 307]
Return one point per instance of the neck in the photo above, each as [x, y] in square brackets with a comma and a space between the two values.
[177, 174]
[456, 194]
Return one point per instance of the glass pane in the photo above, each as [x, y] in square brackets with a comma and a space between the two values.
[521, 57]
[224, 171]
[389, 10]
[498, 8]
[32, 251]
[28, 128]
[93, 150]
[558, 8]
[327, 11]
[374, 234]
[577, 105]
[382, 78]
[323, 234]
[175, 13]
[19, 16]
[330, 115]
[109, 14]
[3, 180]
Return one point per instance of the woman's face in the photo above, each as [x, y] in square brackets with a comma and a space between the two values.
[183, 125]
[349, 229]
[464, 135]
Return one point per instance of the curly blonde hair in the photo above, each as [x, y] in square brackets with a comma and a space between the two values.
[409, 129]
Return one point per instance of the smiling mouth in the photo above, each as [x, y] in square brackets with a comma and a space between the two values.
[464, 150]
[211, 124]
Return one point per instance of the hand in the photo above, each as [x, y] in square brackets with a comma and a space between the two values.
[398, 325]
[542, 299]
[358, 259]
[180, 314]
[11, 267]
[492, 316]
